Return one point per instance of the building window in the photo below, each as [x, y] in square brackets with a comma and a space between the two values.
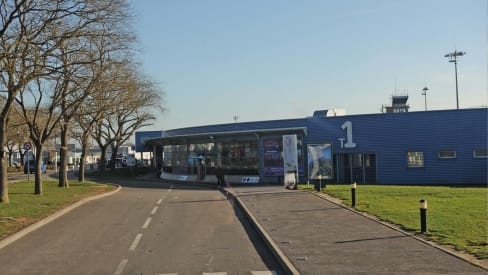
[480, 153]
[240, 158]
[415, 159]
[448, 154]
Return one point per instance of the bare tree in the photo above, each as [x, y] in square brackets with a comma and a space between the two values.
[35, 36]
[86, 120]
[16, 136]
[106, 40]
[24, 51]
[134, 101]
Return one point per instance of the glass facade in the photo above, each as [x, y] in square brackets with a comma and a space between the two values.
[235, 157]
[240, 157]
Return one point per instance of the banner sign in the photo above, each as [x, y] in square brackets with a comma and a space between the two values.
[273, 161]
[320, 161]
[290, 159]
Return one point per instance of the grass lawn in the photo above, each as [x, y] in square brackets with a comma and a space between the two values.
[26, 208]
[456, 216]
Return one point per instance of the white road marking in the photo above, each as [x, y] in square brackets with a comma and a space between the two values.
[146, 224]
[159, 201]
[272, 272]
[154, 210]
[120, 267]
[135, 242]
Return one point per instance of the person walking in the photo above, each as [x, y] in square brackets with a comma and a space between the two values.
[218, 173]
[43, 168]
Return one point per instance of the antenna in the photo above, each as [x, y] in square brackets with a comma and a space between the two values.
[395, 85]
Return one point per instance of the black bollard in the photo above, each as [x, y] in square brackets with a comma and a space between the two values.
[423, 216]
[353, 194]
[320, 183]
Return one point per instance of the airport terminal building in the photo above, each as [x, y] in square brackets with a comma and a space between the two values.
[429, 147]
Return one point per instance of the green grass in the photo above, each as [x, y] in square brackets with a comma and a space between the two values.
[26, 208]
[456, 216]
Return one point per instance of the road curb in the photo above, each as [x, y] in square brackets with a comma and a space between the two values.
[282, 259]
[14, 237]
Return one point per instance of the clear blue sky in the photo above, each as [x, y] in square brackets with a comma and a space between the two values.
[279, 59]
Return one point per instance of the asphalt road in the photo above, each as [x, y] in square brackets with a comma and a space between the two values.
[146, 228]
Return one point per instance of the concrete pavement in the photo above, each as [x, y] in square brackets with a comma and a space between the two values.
[317, 236]
[312, 235]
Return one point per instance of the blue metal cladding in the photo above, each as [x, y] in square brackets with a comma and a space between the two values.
[390, 137]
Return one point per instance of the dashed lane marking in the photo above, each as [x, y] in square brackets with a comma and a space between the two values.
[135, 242]
[159, 201]
[264, 272]
[146, 224]
[120, 267]
[214, 273]
[154, 210]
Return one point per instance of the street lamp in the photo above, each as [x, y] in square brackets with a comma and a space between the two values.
[424, 93]
[453, 58]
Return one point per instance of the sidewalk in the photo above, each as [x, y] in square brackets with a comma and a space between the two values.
[320, 237]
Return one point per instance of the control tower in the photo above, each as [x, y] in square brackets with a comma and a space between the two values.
[398, 104]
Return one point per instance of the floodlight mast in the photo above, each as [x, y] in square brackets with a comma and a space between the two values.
[453, 58]
[424, 93]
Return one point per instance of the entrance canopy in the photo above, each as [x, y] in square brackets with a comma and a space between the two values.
[205, 137]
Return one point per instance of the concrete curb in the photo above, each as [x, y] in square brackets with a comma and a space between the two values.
[285, 263]
[430, 243]
[14, 237]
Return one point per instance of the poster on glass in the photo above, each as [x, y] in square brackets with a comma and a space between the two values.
[319, 161]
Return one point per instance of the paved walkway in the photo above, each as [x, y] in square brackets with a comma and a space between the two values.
[320, 237]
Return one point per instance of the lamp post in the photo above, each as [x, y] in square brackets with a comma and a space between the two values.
[424, 93]
[453, 58]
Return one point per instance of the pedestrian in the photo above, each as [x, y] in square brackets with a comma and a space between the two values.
[221, 177]
[203, 169]
[44, 168]
[217, 175]
[218, 171]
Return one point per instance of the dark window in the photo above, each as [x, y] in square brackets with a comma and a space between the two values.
[480, 153]
[448, 154]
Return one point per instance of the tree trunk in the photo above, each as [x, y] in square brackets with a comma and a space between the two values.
[10, 153]
[38, 177]
[103, 158]
[3, 163]
[21, 157]
[113, 159]
[63, 159]
[84, 153]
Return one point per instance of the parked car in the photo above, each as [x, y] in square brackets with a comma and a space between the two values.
[30, 167]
